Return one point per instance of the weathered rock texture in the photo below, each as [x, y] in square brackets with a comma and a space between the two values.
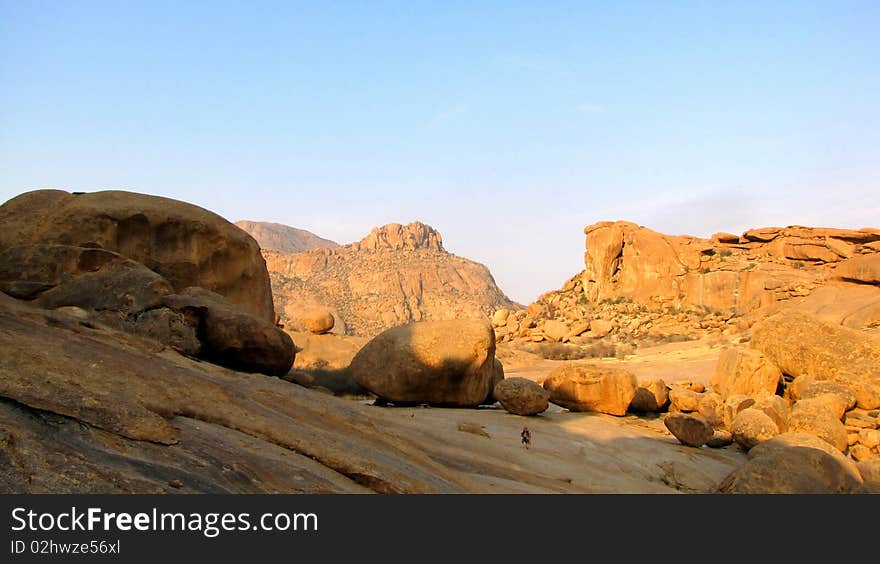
[742, 371]
[760, 267]
[690, 430]
[580, 387]
[801, 345]
[185, 244]
[793, 466]
[395, 275]
[436, 362]
[643, 286]
[521, 396]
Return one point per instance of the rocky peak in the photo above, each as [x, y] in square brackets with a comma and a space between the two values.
[394, 236]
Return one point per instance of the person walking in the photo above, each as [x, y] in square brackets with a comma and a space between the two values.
[526, 437]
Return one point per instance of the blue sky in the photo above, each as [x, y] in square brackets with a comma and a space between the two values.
[509, 126]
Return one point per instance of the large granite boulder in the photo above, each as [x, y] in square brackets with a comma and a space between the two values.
[592, 388]
[448, 363]
[185, 244]
[787, 465]
[742, 371]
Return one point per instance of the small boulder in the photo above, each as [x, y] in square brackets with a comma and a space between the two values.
[832, 403]
[698, 387]
[684, 400]
[869, 438]
[600, 327]
[318, 320]
[651, 395]
[521, 396]
[499, 318]
[777, 409]
[733, 405]
[860, 452]
[711, 407]
[720, 439]
[592, 388]
[555, 330]
[447, 363]
[815, 418]
[751, 427]
[690, 430]
[805, 387]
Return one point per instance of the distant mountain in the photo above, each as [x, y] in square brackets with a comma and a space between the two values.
[283, 238]
[394, 275]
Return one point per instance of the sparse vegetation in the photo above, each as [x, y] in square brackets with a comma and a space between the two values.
[725, 253]
[562, 351]
[617, 301]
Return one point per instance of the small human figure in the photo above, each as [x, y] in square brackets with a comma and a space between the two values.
[526, 437]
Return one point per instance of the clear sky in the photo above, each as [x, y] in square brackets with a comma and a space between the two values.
[508, 126]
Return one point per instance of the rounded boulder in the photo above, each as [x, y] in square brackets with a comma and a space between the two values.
[521, 396]
[447, 363]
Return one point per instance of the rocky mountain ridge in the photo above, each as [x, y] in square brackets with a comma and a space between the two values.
[283, 238]
[394, 275]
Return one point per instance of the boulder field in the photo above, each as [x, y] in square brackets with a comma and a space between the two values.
[141, 349]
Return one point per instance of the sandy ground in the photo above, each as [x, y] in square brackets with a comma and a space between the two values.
[570, 452]
[576, 452]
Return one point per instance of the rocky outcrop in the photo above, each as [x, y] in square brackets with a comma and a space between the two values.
[760, 267]
[801, 345]
[521, 396]
[63, 275]
[283, 238]
[640, 286]
[185, 244]
[233, 338]
[396, 275]
[447, 363]
[862, 269]
[600, 389]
